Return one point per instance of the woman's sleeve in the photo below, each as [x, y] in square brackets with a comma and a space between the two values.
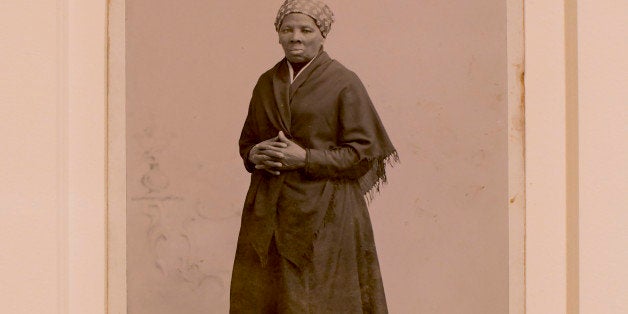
[337, 163]
[248, 138]
[358, 122]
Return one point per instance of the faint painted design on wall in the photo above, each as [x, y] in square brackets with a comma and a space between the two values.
[154, 180]
[178, 220]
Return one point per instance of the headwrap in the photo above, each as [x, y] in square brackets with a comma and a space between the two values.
[316, 9]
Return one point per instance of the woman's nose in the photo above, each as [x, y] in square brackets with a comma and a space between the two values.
[296, 36]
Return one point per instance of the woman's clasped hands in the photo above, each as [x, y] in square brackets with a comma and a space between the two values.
[277, 154]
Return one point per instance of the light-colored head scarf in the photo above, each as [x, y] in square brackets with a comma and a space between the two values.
[316, 9]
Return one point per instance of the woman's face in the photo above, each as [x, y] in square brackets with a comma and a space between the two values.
[300, 38]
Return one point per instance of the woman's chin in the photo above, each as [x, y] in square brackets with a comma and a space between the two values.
[297, 58]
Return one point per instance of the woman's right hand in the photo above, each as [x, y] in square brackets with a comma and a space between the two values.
[264, 157]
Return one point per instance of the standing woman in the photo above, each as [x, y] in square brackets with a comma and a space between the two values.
[316, 149]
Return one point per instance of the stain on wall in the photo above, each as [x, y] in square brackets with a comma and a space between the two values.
[436, 71]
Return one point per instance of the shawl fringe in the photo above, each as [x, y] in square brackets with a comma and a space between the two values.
[372, 181]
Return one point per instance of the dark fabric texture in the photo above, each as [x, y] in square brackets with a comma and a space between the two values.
[305, 243]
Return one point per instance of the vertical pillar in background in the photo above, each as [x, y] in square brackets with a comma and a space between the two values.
[52, 196]
[547, 206]
[116, 184]
[33, 157]
[516, 158]
[576, 153]
[572, 157]
[602, 50]
[87, 118]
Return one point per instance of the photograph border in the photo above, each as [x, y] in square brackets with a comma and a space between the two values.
[116, 164]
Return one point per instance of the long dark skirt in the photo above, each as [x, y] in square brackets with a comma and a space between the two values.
[343, 277]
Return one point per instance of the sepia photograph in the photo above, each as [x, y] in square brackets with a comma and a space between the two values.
[304, 156]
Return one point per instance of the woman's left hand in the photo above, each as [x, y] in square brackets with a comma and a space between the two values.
[293, 154]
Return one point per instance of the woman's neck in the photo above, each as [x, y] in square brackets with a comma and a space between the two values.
[297, 67]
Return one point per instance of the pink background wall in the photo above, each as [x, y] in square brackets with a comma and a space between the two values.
[437, 74]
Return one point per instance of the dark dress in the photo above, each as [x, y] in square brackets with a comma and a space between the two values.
[306, 243]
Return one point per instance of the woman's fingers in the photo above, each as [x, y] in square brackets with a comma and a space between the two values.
[269, 158]
[269, 170]
[272, 164]
[282, 138]
[270, 146]
[270, 155]
[277, 144]
[273, 153]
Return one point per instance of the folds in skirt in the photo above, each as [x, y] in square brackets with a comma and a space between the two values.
[342, 277]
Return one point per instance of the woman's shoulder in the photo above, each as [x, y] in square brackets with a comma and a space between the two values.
[339, 70]
[342, 76]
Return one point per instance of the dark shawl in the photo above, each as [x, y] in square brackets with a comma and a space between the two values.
[327, 111]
